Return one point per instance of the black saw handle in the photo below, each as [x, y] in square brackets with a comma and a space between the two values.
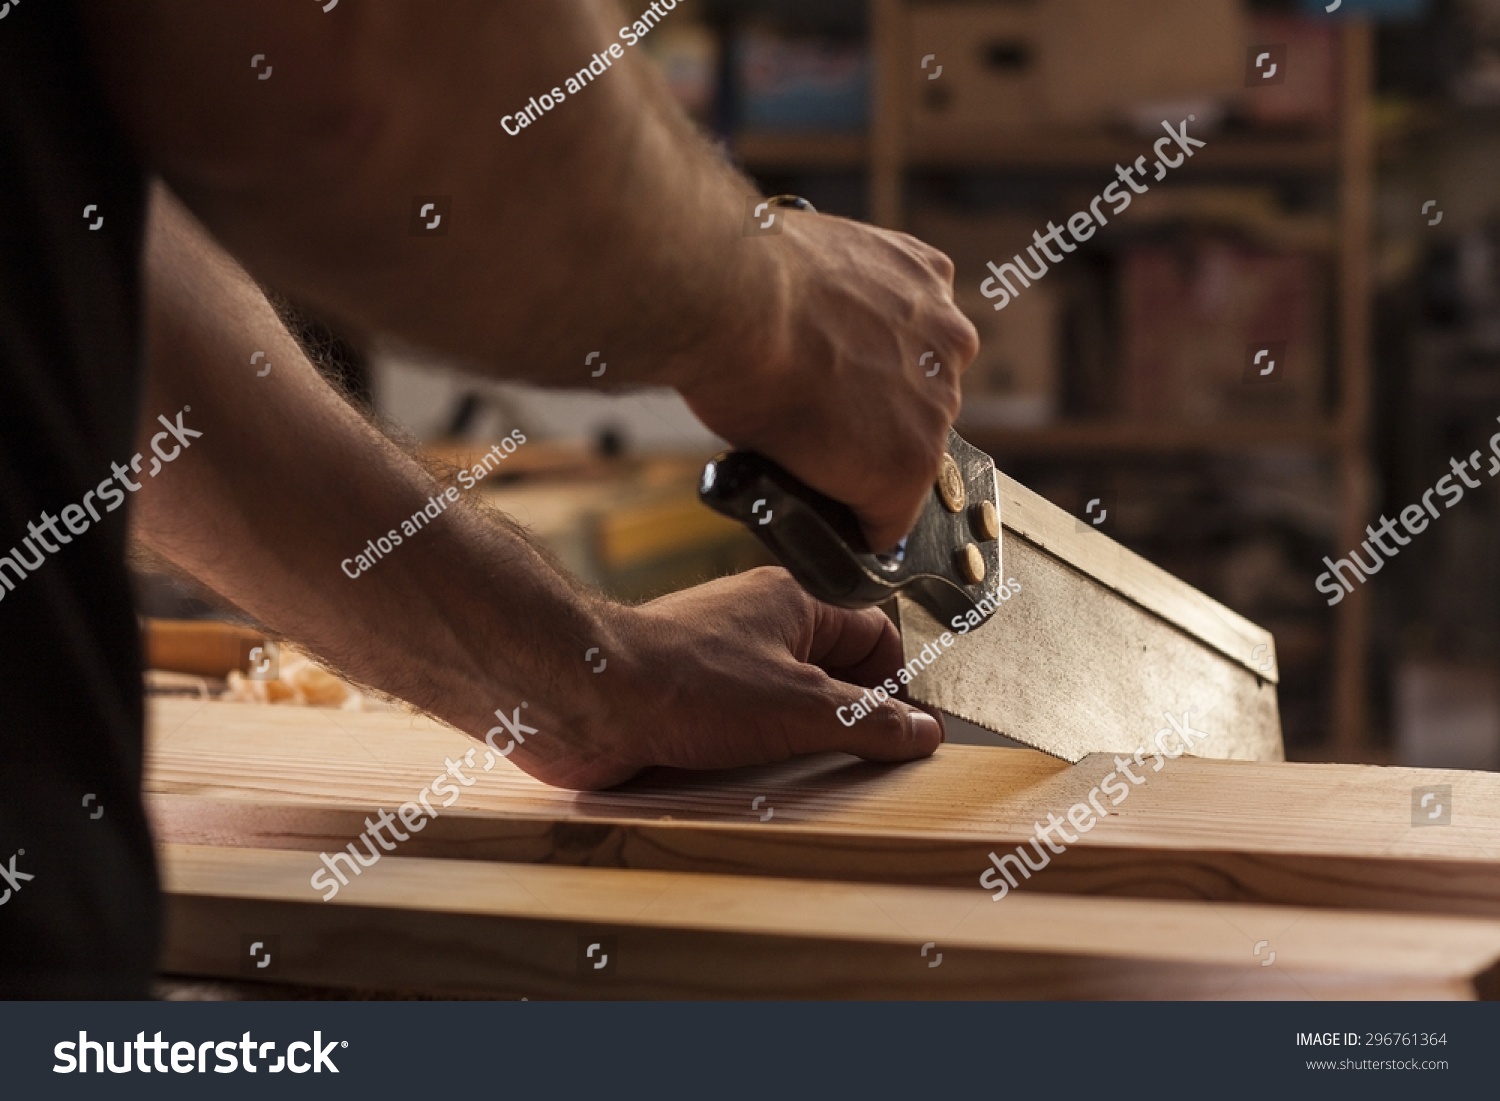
[949, 563]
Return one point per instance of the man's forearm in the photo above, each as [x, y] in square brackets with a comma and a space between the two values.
[626, 226]
[604, 226]
[287, 481]
[466, 618]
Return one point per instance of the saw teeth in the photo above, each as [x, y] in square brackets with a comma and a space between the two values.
[1002, 733]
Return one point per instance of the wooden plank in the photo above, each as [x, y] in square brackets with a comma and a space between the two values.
[203, 648]
[634, 534]
[1307, 835]
[445, 927]
[545, 458]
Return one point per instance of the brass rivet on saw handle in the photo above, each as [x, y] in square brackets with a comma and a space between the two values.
[987, 520]
[972, 563]
[950, 485]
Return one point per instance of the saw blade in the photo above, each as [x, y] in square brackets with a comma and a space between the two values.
[965, 678]
[1068, 666]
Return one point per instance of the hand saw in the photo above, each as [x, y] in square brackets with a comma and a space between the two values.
[1033, 669]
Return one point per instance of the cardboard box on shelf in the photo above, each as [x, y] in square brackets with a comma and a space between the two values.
[1000, 69]
[975, 70]
[1304, 91]
[1215, 332]
[1013, 382]
[1102, 58]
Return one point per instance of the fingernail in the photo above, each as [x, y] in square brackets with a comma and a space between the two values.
[925, 728]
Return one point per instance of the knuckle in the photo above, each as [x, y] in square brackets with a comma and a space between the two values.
[813, 699]
[965, 337]
[777, 584]
[776, 601]
[792, 606]
[953, 329]
[934, 259]
[810, 682]
[907, 243]
[941, 263]
[888, 723]
[766, 575]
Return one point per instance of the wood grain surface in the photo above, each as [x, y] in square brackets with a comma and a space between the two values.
[1330, 836]
[466, 929]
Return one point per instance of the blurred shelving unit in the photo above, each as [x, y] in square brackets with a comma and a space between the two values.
[760, 151]
[1343, 161]
[1119, 437]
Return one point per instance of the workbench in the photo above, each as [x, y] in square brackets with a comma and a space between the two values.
[823, 877]
[1224, 873]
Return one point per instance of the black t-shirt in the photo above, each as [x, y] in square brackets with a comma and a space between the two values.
[84, 924]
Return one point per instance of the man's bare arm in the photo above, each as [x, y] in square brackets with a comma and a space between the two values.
[309, 176]
[606, 225]
[466, 616]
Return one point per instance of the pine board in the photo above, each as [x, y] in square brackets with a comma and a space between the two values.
[1328, 836]
[454, 928]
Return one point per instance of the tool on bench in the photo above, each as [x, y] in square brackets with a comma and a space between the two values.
[949, 564]
[1101, 650]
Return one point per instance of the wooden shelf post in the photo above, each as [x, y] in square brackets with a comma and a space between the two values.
[1350, 734]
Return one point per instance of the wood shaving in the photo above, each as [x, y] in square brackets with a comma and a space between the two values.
[299, 681]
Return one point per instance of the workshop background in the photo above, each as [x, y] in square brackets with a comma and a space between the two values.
[1342, 216]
